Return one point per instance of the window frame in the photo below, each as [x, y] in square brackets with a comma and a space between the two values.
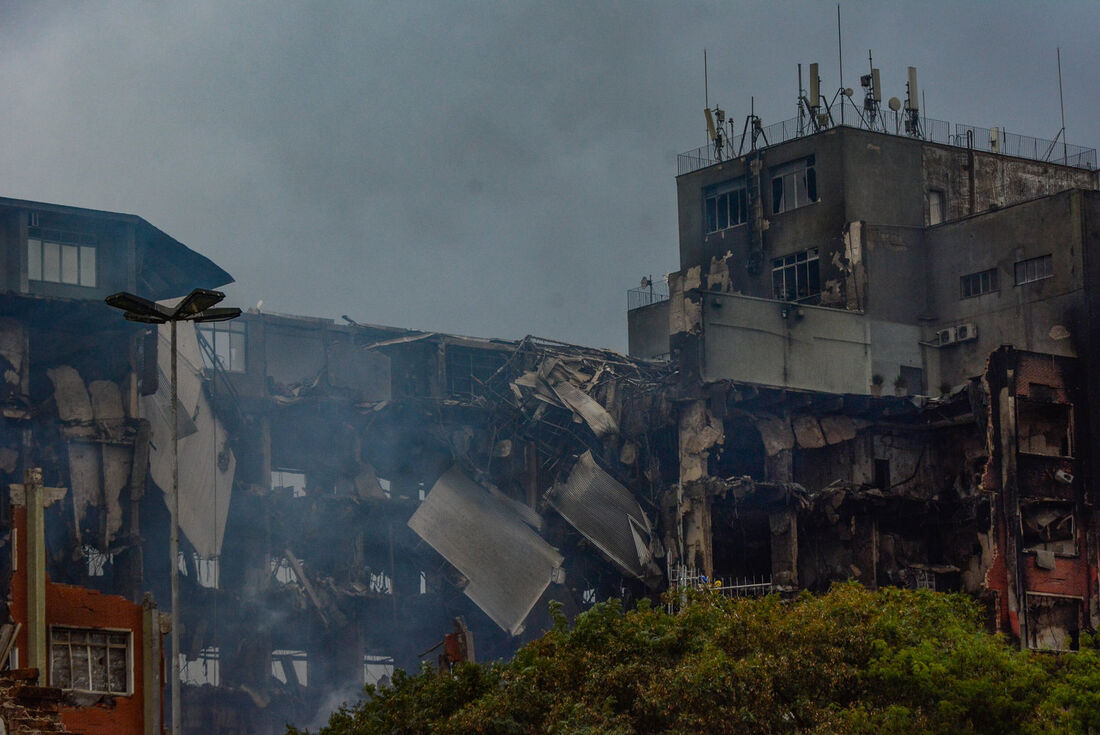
[214, 333]
[726, 193]
[127, 647]
[797, 187]
[989, 284]
[49, 250]
[1042, 267]
[808, 263]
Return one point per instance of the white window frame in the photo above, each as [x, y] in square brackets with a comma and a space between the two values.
[126, 648]
[68, 258]
[797, 185]
[1034, 269]
[722, 198]
[796, 270]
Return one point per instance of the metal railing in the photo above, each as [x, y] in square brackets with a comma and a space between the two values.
[636, 298]
[688, 578]
[936, 131]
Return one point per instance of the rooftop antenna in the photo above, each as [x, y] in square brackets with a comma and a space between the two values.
[840, 53]
[715, 118]
[912, 107]
[1062, 105]
[872, 95]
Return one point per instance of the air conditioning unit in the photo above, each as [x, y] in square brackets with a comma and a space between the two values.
[946, 336]
[966, 332]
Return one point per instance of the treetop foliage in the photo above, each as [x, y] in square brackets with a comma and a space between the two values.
[851, 661]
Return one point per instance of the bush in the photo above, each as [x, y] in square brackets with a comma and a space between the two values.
[850, 661]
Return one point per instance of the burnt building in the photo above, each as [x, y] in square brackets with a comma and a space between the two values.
[872, 364]
[893, 326]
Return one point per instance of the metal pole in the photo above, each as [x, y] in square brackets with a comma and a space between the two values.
[840, 54]
[174, 545]
[1062, 106]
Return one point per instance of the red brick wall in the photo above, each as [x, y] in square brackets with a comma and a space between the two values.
[75, 606]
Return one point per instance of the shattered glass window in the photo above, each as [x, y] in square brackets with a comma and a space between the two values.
[90, 660]
[206, 669]
[288, 666]
[797, 276]
[725, 205]
[794, 185]
[469, 368]
[223, 345]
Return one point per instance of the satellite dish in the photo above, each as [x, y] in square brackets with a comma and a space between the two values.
[849, 92]
[894, 103]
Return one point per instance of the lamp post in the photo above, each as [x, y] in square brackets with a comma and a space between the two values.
[195, 307]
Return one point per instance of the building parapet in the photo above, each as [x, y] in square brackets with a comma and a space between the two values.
[989, 140]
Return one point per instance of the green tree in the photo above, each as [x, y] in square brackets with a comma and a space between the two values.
[850, 661]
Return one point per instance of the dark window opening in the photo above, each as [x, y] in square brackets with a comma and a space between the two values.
[976, 284]
[1053, 622]
[797, 276]
[1049, 526]
[794, 185]
[1034, 269]
[882, 474]
[468, 369]
[725, 206]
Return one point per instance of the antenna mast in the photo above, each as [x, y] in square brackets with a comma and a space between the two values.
[1062, 105]
[840, 53]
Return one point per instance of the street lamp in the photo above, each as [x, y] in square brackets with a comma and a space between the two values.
[195, 307]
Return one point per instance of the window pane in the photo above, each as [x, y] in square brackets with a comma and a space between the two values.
[60, 667]
[777, 195]
[70, 264]
[789, 200]
[87, 266]
[777, 284]
[711, 214]
[1021, 273]
[723, 212]
[116, 670]
[51, 262]
[80, 667]
[811, 184]
[236, 351]
[34, 260]
[815, 276]
[99, 666]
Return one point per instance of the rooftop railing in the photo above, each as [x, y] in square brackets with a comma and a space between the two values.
[636, 298]
[991, 140]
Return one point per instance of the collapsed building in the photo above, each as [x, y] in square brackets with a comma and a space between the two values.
[872, 364]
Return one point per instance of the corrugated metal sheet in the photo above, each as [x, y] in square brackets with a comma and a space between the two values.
[508, 564]
[607, 514]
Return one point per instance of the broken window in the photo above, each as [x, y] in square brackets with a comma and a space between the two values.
[797, 276]
[1049, 526]
[282, 571]
[289, 481]
[1034, 269]
[1053, 622]
[61, 257]
[468, 369]
[290, 667]
[794, 185]
[223, 345]
[377, 669]
[206, 570]
[206, 669]
[96, 560]
[423, 583]
[935, 207]
[725, 205]
[1044, 428]
[90, 660]
[976, 284]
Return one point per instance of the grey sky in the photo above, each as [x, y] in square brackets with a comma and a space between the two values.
[495, 169]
